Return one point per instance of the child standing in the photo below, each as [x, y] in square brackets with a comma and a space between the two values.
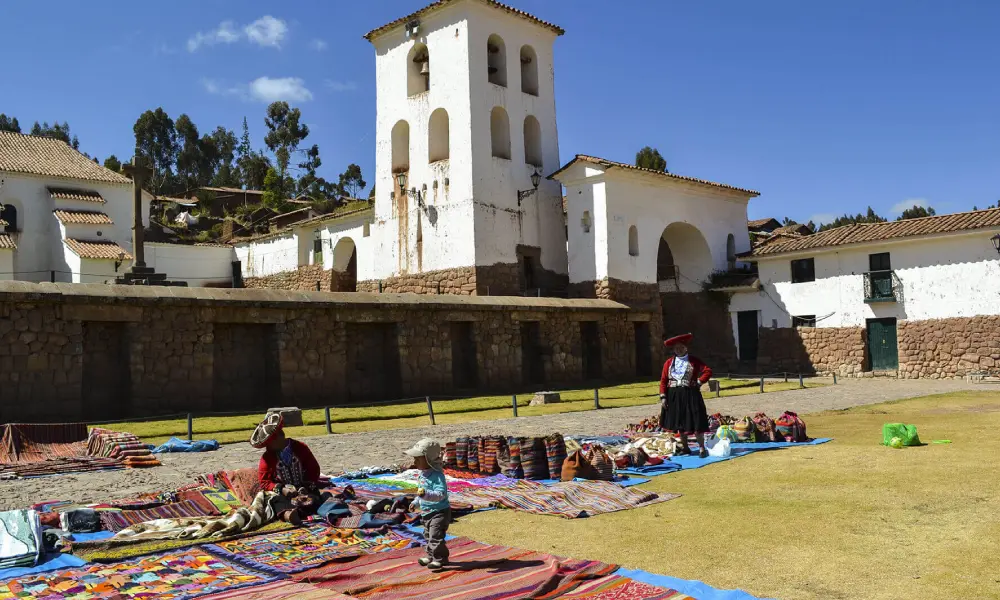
[432, 498]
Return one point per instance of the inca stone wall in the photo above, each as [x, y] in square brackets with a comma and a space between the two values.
[308, 277]
[821, 350]
[947, 348]
[202, 349]
[494, 280]
[706, 315]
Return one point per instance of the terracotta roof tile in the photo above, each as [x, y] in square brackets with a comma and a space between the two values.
[756, 223]
[612, 164]
[82, 217]
[442, 3]
[81, 195]
[52, 158]
[793, 229]
[7, 242]
[874, 232]
[95, 249]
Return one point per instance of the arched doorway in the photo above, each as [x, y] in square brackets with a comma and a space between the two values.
[683, 261]
[345, 265]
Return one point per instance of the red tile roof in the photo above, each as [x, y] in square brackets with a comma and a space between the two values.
[82, 217]
[96, 250]
[7, 242]
[81, 195]
[50, 157]
[612, 164]
[756, 223]
[442, 3]
[875, 232]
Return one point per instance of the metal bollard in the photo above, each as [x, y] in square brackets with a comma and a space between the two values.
[801, 383]
[329, 427]
[430, 410]
[834, 379]
[190, 427]
[597, 399]
[786, 376]
[513, 404]
[761, 385]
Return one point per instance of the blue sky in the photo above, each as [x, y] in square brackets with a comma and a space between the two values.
[824, 107]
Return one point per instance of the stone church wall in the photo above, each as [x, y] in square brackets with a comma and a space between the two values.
[203, 350]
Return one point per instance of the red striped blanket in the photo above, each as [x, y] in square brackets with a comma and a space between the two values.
[115, 521]
[22, 443]
[569, 499]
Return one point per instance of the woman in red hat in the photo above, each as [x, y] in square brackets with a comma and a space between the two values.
[682, 409]
[287, 468]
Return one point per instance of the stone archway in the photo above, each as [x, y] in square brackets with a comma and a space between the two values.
[345, 266]
[683, 260]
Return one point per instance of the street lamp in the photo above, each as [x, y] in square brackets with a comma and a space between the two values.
[536, 178]
[401, 182]
[119, 261]
[996, 242]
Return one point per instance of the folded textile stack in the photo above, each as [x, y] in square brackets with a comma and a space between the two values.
[122, 446]
[20, 538]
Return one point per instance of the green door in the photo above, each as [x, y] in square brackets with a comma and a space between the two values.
[882, 348]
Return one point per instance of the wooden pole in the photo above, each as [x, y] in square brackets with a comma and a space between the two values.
[513, 404]
[597, 399]
[430, 410]
[761, 385]
[801, 383]
[329, 428]
[190, 427]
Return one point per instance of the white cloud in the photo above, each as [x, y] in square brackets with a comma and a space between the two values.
[218, 89]
[267, 31]
[318, 45]
[341, 86]
[225, 33]
[820, 218]
[899, 207]
[290, 89]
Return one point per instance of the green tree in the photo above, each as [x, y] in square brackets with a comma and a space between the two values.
[285, 133]
[351, 181]
[869, 217]
[9, 124]
[156, 143]
[226, 173]
[56, 131]
[916, 212]
[113, 163]
[650, 158]
[192, 164]
[274, 193]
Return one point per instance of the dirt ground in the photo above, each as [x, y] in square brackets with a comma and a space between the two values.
[339, 452]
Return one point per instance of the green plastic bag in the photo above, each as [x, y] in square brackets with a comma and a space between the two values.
[907, 434]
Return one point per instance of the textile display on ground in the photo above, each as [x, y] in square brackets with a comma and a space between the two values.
[694, 589]
[117, 520]
[616, 587]
[241, 520]
[20, 538]
[279, 590]
[113, 550]
[475, 571]
[569, 499]
[120, 445]
[308, 547]
[22, 443]
[175, 575]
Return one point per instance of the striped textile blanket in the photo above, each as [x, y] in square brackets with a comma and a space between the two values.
[616, 587]
[58, 466]
[22, 443]
[278, 590]
[115, 521]
[242, 520]
[569, 499]
[475, 571]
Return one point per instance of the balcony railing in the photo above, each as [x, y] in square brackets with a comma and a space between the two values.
[883, 286]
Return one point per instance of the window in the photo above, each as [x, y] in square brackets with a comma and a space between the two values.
[438, 144]
[633, 241]
[532, 142]
[9, 215]
[496, 60]
[731, 252]
[418, 70]
[585, 221]
[529, 71]
[879, 262]
[318, 246]
[804, 321]
[400, 147]
[803, 270]
[500, 133]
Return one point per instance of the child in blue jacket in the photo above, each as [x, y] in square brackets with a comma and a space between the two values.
[432, 499]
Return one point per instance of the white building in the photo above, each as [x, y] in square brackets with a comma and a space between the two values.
[878, 278]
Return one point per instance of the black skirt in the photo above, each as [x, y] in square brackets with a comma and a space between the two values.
[685, 412]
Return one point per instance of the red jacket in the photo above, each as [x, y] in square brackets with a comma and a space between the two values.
[697, 372]
[268, 469]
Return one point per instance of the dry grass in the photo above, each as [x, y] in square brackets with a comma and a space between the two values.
[847, 519]
[397, 416]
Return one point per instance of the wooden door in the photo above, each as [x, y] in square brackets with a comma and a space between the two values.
[882, 349]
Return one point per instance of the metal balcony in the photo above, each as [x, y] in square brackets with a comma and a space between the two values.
[883, 286]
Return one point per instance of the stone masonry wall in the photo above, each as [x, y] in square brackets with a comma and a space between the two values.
[706, 315]
[948, 348]
[821, 350]
[303, 278]
[168, 344]
[493, 280]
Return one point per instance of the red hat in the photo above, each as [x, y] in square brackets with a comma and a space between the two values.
[679, 339]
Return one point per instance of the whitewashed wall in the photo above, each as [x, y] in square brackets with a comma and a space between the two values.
[269, 256]
[942, 277]
[95, 271]
[6, 265]
[338, 237]
[199, 266]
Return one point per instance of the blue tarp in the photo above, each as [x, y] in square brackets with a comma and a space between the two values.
[695, 589]
[772, 445]
[677, 463]
[179, 445]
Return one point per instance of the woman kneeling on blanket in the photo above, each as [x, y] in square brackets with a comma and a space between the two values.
[682, 409]
[288, 468]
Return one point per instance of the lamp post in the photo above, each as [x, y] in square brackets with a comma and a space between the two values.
[401, 182]
[536, 178]
[996, 242]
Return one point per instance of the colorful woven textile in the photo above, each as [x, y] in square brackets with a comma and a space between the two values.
[20, 538]
[462, 453]
[27, 443]
[224, 501]
[533, 458]
[116, 521]
[305, 548]
[513, 466]
[555, 453]
[170, 576]
[615, 587]
[279, 590]
[492, 448]
[472, 459]
[569, 499]
[476, 571]
[450, 457]
[59, 466]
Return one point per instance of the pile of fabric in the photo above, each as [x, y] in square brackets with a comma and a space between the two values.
[122, 446]
[758, 428]
[535, 458]
[20, 538]
[35, 450]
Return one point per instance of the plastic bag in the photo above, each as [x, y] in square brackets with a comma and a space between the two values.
[907, 434]
[719, 448]
[725, 432]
